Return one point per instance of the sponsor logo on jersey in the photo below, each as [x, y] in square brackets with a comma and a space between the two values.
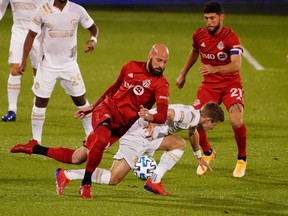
[130, 75]
[207, 55]
[222, 56]
[203, 45]
[138, 90]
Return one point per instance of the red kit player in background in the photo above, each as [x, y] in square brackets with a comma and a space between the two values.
[221, 54]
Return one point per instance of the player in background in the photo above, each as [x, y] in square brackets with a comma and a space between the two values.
[23, 12]
[221, 54]
[139, 85]
[144, 137]
[57, 23]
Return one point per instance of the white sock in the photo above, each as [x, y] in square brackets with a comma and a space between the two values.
[86, 121]
[99, 176]
[13, 89]
[37, 120]
[167, 161]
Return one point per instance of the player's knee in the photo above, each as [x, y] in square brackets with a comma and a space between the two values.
[237, 123]
[14, 70]
[78, 159]
[114, 180]
[181, 144]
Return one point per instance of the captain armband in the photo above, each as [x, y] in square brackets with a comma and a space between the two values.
[197, 154]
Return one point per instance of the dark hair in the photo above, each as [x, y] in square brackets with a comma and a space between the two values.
[213, 111]
[213, 7]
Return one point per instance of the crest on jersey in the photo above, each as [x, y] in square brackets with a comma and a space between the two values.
[220, 45]
[146, 83]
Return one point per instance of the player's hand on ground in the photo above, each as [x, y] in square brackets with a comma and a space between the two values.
[81, 113]
[203, 163]
[180, 81]
[90, 46]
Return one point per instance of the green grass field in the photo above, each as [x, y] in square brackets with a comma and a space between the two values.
[27, 183]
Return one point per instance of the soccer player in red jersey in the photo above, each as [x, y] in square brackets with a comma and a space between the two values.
[220, 51]
[139, 86]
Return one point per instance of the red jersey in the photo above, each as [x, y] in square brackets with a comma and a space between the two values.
[216, 50]
[134, 87]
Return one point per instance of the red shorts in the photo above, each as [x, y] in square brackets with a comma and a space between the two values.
[104, 112]
[229, 95]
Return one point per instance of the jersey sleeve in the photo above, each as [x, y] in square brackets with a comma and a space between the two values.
[3, 7]
[234, 44]
[35, 24]
[162, 99]
[85, 20]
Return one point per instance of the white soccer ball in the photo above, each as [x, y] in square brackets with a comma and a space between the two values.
[144, 167]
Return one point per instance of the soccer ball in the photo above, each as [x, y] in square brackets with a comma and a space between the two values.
[144, 167]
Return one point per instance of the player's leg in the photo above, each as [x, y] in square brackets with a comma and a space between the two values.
[118, 171]
[239, 129]
[73, 84]
[174, 148]
[14, 79]
[61, 154]
[13, 91]
[81, 102]
[205, 95]
[99, 138]
[234, 103]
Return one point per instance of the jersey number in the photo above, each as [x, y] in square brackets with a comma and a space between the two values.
[236, 92]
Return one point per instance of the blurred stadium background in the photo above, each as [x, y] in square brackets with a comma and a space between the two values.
[277, 7]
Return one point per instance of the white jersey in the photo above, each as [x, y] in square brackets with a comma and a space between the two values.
[22, 10]
[136, 141]
[58, 29]
[185, 117]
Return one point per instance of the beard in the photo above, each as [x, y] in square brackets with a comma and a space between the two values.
[62, 1]
[213, 30]
[155, 71]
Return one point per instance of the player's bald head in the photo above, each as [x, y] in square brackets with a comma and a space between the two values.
[159, 50]
[157, 59]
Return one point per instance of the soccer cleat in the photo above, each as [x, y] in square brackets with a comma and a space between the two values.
[207, 159]
[156, 188]
[240, 169]
[85, 191]
[24, 148]
[9, 117]
[61, 180]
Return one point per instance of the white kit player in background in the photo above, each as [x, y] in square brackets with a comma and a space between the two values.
[23, 12]
[144, 137]
[57, 23]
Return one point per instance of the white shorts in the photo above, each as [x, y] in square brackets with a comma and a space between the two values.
[132, 147]
[16, 47]
[70, 79]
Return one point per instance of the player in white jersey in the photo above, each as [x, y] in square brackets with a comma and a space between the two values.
[23, 12]
[57, 23]
[144, 137]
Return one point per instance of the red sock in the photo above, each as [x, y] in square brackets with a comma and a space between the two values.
[101, 138]
[61, 154]
[203, 141]
[240, 137]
